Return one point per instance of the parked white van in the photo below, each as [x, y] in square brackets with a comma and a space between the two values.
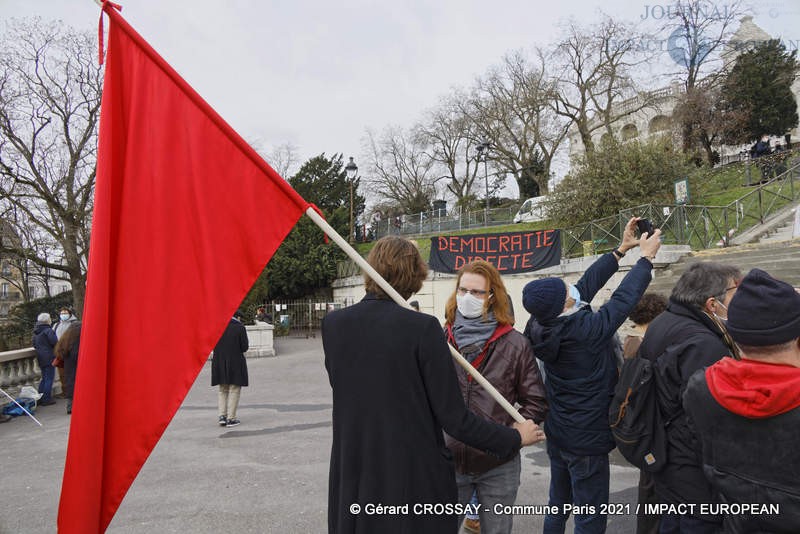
[532, 210]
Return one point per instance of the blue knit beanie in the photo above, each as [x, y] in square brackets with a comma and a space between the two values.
[545, 298]
[764, 311]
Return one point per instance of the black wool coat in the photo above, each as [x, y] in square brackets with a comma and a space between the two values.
[229, 365]
[394, 390]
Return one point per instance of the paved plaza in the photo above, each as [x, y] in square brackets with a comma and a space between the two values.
[268, 475]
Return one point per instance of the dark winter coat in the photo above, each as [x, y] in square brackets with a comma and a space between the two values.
[71, 363]
[44, 341]
[394, 390]
[749, 445]
[695, 342]
[229, 365]
[510, 367]
[580, 359]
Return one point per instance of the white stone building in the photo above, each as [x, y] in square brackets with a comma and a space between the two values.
[657, 119]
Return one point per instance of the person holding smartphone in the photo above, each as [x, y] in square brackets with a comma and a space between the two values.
[576, 345]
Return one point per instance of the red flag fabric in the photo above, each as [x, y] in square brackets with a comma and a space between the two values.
[186, 216]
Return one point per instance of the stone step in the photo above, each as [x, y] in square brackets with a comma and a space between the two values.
[780, 259]
[780, 233]
[744, 262]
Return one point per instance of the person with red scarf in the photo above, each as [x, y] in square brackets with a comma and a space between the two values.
[480, 324]
[746, 412]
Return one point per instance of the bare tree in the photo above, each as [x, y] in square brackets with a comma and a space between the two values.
[400, 170]
[592, 69]
[23, 236]
[50, 86]
[510, 107]
[450, 139]
[283, 158]
[698, 30]
[701, 112]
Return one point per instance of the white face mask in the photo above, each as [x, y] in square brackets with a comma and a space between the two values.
[64, 316]
[724, 320]
[469, 305]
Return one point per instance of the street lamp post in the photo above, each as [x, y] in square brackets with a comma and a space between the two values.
[351, 169]
[483, 151]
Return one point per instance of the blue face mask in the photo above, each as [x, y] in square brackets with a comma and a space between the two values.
[573, 292]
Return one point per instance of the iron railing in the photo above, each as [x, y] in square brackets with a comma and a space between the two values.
[699, 227]
[436, 221]
[302, 317]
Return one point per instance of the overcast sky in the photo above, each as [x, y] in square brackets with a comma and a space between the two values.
[317, 73]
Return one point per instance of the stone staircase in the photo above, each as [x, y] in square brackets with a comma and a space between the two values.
[781, 232]
[781, 259]
[771, 249]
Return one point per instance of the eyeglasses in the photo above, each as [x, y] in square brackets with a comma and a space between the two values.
[731, 288]
[475, 292]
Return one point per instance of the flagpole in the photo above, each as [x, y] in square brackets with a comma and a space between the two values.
[367, 268]
[21, 406]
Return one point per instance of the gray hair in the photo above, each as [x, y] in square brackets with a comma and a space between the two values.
[43, 317]
[703, 280]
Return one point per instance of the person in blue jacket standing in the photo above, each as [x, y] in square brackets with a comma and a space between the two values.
[576, 346]
[44, 340]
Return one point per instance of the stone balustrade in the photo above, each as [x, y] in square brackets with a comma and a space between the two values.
[19, 368]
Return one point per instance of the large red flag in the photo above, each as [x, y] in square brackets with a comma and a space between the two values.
[186, 216]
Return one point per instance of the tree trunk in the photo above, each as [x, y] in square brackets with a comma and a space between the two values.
[78, 293]
[73, 267]
[586, 139]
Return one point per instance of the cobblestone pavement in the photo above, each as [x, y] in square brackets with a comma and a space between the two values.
[267, 475]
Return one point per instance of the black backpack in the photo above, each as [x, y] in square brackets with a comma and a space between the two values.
[636, 422]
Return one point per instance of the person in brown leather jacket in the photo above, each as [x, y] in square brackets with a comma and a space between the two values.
[480, 324]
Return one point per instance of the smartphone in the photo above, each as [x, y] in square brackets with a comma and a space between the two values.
[644, 225]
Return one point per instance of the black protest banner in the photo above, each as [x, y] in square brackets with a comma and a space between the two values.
[511, 252]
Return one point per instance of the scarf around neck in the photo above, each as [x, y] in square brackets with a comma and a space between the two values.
[471, 335]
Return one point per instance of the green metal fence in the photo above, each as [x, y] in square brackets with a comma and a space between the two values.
[697, 226]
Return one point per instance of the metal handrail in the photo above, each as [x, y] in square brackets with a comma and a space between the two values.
[698, 226]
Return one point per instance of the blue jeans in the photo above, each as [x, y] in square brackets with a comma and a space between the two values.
[46, 384]
[687, 524]
[578, 481]
[496, 486]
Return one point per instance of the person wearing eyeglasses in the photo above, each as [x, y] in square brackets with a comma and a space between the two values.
[690, 335]
[480, 324]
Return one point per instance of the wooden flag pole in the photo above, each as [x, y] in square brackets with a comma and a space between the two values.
[367, 268]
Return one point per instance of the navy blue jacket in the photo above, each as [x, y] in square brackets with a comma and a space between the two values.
[44, 341]
[580, 362]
